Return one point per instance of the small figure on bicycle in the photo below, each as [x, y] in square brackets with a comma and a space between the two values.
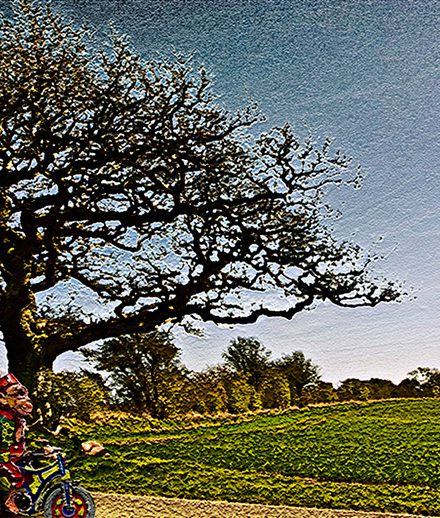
[34, 490]
[15, 406]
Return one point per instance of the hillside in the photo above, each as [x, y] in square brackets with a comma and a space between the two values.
[381, 456]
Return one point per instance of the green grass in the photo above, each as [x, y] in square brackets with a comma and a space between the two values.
[382, 456]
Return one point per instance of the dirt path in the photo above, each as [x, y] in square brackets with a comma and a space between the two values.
[129, 506]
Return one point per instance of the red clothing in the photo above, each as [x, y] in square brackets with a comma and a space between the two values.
[12, 446]
[13, 474]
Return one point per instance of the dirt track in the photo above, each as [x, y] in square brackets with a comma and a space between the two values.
[129, 506]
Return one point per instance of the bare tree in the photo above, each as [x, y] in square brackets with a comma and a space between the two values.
[124, 179]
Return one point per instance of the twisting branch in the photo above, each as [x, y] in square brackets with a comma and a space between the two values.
[126, 181]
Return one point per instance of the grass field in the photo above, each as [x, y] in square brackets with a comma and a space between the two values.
[382, 456]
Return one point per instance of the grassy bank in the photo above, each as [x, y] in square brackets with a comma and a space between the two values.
[381, 456]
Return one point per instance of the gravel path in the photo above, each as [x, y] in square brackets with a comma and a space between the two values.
[130, 506]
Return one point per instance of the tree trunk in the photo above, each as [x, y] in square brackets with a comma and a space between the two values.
[24, 362]
[27, 365]
[17, 318]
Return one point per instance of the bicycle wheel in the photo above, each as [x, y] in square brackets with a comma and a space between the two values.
[82, 504]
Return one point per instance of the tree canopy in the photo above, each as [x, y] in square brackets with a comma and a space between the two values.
[124, 179]
[299, 372]
[249, 356]
[138, 368]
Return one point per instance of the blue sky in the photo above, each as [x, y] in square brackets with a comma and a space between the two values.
[365, 73]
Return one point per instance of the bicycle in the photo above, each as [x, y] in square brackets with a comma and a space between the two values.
[49, 490]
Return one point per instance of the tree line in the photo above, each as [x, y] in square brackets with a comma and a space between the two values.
[143, 374]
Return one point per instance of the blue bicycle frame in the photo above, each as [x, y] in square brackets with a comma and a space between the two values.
[42, 480]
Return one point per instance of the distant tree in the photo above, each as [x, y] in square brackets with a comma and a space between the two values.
[374, 388]
[427, 380]
[408, 388]
[242, 396]
[274, 390]
[140, 369]
[176, 396]
[124, 180]
[208, 393]
[299, 372]
[318, 392]
[249, 356]
[70, 394]
[380, 388]
[353, 389]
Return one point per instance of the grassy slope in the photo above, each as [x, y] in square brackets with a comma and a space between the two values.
[380, 456]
